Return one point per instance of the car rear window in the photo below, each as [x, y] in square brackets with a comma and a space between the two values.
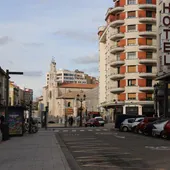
[99, 119]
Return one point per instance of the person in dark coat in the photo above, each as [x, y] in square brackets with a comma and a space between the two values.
[2, 121]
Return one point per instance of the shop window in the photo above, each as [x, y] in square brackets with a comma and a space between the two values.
[131, 41]
[131, 69]
[132, 82]
[131, 14]
[131, 96]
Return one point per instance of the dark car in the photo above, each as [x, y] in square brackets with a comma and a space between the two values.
[147, 130]
[92, 123]
[140, 127]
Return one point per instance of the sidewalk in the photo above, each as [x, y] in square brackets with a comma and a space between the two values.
[39, 151]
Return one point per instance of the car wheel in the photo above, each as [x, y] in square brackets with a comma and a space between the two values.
[164, 135]
[153, 134]
[124, 129]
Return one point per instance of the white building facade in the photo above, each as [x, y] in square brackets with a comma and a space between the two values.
[128, 58]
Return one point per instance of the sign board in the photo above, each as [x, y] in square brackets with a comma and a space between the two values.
[164, 36]
[69, 111]
[16, 119]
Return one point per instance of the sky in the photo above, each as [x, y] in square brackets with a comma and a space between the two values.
[34, 31]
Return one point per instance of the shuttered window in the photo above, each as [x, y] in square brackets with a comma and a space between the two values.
[131, 96]
[148, 41]
[131, 28]
[131, 69]
[131, 55]
[131, 14]
[131, 41]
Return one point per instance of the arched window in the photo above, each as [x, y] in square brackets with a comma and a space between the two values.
[69, 104]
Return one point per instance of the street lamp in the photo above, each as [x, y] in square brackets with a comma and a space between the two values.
[81, 99]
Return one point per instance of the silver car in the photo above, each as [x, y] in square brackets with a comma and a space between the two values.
[126, 124]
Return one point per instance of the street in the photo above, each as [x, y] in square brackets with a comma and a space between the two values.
[100, 148]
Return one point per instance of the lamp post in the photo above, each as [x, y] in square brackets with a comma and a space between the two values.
[81, 99]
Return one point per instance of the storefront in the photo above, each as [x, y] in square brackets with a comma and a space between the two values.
[132, 110]
[148, 111]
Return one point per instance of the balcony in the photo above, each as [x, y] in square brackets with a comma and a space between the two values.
[115, 63]
[148, 33]
[147, 19]
[148, 89]
[115, 49]
[147, 75]
[116, 9]
[117, 22]
[116, 76]
[117, 89]
[116, 36]
[148, 61]
[146, 47]
[146, 101]
[147, 6]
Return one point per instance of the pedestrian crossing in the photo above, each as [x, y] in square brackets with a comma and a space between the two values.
[80, 130]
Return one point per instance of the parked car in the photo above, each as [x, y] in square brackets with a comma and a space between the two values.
[135, 123]
[148, 128]
[140, 127]
[158, 127]
[166, 132]
[92, 123]
[126, 124]
[100, 120]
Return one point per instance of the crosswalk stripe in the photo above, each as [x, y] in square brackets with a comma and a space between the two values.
[65, 130]
[97, 129]
[90, 130]
[73, 130]
[105, 129]
[56, 131]
[82, 130]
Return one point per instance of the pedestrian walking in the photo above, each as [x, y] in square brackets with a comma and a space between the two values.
[2, 121]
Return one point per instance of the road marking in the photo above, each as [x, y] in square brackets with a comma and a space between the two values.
[65, 130]
[121, 137]
[73, 130]
[158, 148]
[82, 130]
[90, 130]
[56, 131]
[105, 129]
[97, 129]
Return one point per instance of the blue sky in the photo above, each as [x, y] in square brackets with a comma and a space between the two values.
[32, 31]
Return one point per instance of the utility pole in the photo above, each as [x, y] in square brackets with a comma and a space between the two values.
[30, 115]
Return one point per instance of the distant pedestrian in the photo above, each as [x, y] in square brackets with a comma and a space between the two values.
[2, 121]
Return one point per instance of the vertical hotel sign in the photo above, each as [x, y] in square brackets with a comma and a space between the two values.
[165, 37]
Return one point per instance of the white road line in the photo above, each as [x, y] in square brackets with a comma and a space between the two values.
[105, 129]
[65, 130]
[121, 137]
[73, 130]
[97, 129]
[82, 130]
[56, 131]
[90, 130]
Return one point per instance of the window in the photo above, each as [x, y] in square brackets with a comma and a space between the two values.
[148, 82]
[148, 27]
[131, 82]
[131, 14]
[118, 70]
[149, 69]
[131, 2]
[131, 41]
[118, 83]
[131, 55]
[148, 55]
[148, 1]
[131, 96]
[69, 104]
[131, 69]
[118, 57]
[149, 41]
[149, 14]
[148, 96]
[131, 28]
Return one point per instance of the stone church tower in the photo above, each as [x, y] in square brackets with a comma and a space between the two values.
[52, 89]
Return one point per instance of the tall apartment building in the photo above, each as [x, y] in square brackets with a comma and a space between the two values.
[128, 58]
[67, 76]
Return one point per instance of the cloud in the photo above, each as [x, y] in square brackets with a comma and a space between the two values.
[33, 44]
[5, 40]
[86, 59]
[78, 35]
[94, 71]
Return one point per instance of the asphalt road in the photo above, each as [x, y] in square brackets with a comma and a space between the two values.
[100, 148]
